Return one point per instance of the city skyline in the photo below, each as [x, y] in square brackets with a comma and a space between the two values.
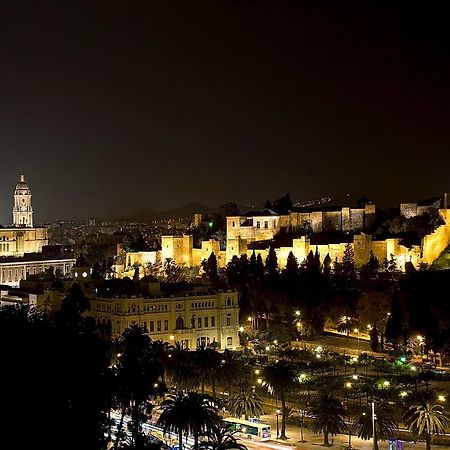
[114, 109]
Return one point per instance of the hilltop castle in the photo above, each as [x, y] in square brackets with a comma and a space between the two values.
[325, 230]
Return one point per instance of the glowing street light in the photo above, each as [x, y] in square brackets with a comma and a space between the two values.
[259, 380]
[241, 329]
[257, 371]
[277, 413]
[441, 398]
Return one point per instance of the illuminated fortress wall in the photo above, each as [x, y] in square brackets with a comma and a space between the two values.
[435, 243]
[244, 231]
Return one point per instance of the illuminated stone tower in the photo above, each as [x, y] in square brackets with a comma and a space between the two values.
[22, 210]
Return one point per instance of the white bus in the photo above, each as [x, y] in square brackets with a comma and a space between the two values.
[254, 429]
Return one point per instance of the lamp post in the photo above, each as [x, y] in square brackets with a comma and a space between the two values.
[277, 413]
[373, 426]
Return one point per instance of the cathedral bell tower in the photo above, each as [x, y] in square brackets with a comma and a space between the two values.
[22, 210]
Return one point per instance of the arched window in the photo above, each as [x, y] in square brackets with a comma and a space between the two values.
[179, 323]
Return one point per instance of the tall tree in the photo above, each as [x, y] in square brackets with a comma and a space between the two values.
[210, 267]
[137, 376]
[208, 360]
[348, 267]
[385, 427]
[290, 273]
[220, 437]
[272, 264]
[246, 403]
[280, 378]
[328, 416]
[426, 418]
[190, 413]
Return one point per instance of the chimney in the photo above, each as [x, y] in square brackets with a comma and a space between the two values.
[444, 202]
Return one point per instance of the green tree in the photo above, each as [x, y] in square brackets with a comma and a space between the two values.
[374, 338]
[220, 437]
[328, 416]
[73, 305]
[280, 378]
[190, 413]
[208, 364]
[426, 418]
[272, 264]
[291, 273]
[385, 427]
[246, 403]
[210, 267]
[348, 266]
[136, 377]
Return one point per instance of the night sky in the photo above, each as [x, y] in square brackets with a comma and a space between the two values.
[112, 107]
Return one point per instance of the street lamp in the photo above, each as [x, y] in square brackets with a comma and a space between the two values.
[277, 413]
[373, 426]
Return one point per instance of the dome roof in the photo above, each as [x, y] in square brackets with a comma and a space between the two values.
[22, 184]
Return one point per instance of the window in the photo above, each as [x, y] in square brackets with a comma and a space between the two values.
[199, 322]
[192, 322]
[229, 341]
[213, 321]
[266, 224]
[258, 224]
[152, 326]
[145, 326]
[234, 224]
[206, 322]
[158, 325]
[166, 325]
[179, 324]
[228, 321]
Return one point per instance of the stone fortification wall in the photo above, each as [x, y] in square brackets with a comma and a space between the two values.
[435, 243]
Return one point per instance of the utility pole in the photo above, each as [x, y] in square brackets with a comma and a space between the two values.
[373, 426]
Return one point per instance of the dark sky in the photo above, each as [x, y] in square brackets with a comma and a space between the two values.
[111, 107]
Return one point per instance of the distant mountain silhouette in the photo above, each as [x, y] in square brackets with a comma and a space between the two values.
[182, 211]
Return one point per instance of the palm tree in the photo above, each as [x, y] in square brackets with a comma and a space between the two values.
[184, 370]
[220, 437]
[172, 418]
[280, 378]
[136, 376]
[246, 403]
[327, 416]
[190, 413]
[159, 354]
[345, 324]
[426, 418]
[234, 370]
[208, 360]
[385, 427]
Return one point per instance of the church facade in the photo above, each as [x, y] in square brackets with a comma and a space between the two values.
[22, 244]
[22, 237]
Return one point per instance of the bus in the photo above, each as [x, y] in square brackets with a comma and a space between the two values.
[253, 429]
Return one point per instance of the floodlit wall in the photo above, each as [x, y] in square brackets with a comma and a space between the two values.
[436, 242]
